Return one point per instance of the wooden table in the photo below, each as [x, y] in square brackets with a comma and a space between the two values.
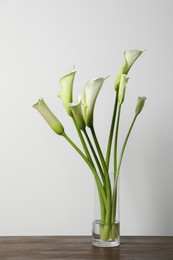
[79, 247]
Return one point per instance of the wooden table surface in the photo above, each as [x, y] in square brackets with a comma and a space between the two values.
[79, 247]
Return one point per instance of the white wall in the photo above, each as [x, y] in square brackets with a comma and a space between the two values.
[45, 188]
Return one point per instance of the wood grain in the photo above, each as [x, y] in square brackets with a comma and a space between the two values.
[79, 247]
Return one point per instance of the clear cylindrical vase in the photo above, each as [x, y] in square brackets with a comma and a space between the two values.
[107, 233]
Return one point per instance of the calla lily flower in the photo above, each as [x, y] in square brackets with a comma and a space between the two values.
[50, 118]
[130, 56]
[77, 113]
[122, 88]
[140, 105]
[91, 91]
[66, 93]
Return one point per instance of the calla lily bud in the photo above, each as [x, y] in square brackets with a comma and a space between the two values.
[140, 105]
[66, 93]
[91, 91]
[77, 113]
[122, 88]
[50, 118]
[130, 56]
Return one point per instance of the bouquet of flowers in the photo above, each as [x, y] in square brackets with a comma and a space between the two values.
[82, 114]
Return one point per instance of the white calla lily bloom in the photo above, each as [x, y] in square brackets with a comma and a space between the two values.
[130, 56]
[66, 92]
[122, 88]
[77, 113]
[91, 91]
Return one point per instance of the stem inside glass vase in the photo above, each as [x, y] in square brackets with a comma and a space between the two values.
[104, 233]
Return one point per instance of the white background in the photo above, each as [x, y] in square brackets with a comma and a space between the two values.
[45, 188]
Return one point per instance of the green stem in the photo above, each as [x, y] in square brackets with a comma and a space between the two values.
[82, 140]
[105, 234]
[95, 155]
[114, 202]
[102, 204]
[102, 195]
[106, 174]
[116, 139]
[124, 145]
[101, 191]
[105, 169]
[108, 152]
[118, 170]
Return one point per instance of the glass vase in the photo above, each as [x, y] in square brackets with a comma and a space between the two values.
[107, 233]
